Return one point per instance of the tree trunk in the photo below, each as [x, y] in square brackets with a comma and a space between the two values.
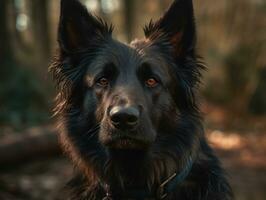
[129, 18]
[37, 143]
[41, 32]
[6, 56]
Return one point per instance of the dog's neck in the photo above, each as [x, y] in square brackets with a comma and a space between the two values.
[143, 183]
[128, 169]
[133, 173]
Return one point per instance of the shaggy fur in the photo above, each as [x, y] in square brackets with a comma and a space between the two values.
[95, 73]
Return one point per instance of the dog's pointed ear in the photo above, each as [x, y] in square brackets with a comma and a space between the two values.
[178, 25]
[77, 27]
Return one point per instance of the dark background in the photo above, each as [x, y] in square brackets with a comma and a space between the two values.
[231, 38]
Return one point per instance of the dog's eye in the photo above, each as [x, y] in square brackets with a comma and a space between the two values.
[151, 82]
[103, 82]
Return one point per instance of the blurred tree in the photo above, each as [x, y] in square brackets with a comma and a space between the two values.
[232, 38]
[258, 100]
[23, 95]
[241, 77]
[41, 32]
[129, 18]
[6, 55]
[241, 64]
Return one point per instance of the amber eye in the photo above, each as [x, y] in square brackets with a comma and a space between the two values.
[151, 82]
[103, 82]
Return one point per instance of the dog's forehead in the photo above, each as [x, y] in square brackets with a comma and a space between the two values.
[124, 54]
[118, 53]
[133, 54]
[128, 57]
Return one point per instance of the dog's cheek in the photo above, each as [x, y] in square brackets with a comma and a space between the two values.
[164, 108]
[89, 103]
[100, 114]
[156, 94]
[99, 92]
[155, 115]
[102, 105]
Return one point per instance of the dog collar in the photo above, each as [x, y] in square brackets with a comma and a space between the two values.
[161, 193]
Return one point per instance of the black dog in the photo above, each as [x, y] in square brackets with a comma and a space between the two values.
[128, 114]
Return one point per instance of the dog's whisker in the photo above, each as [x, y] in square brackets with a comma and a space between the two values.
[93, 131]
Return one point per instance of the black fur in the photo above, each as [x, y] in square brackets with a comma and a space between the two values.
[157, 77]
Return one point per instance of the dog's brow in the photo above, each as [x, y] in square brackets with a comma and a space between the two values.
[153, 69]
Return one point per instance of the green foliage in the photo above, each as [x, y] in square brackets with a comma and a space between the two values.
[24, 101]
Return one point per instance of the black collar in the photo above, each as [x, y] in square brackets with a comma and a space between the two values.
[166, 187]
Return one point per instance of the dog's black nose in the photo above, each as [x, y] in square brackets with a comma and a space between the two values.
[124, 117]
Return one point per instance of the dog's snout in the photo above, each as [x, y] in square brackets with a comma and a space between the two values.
[124, 117]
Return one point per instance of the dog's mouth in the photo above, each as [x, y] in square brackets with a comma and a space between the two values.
[126, 143]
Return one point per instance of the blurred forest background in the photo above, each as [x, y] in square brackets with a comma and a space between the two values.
[231, 38]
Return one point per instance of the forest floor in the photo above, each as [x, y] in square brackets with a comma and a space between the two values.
[241, 148]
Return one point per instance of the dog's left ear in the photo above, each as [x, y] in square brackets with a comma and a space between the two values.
[77, 27]
[178, 25]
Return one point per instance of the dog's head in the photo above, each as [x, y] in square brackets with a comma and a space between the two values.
[114, 96]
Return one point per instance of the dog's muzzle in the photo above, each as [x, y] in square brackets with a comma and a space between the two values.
[124, 118]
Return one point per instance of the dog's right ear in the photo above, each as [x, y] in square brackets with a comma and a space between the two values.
[77, 27]
[178, 24]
